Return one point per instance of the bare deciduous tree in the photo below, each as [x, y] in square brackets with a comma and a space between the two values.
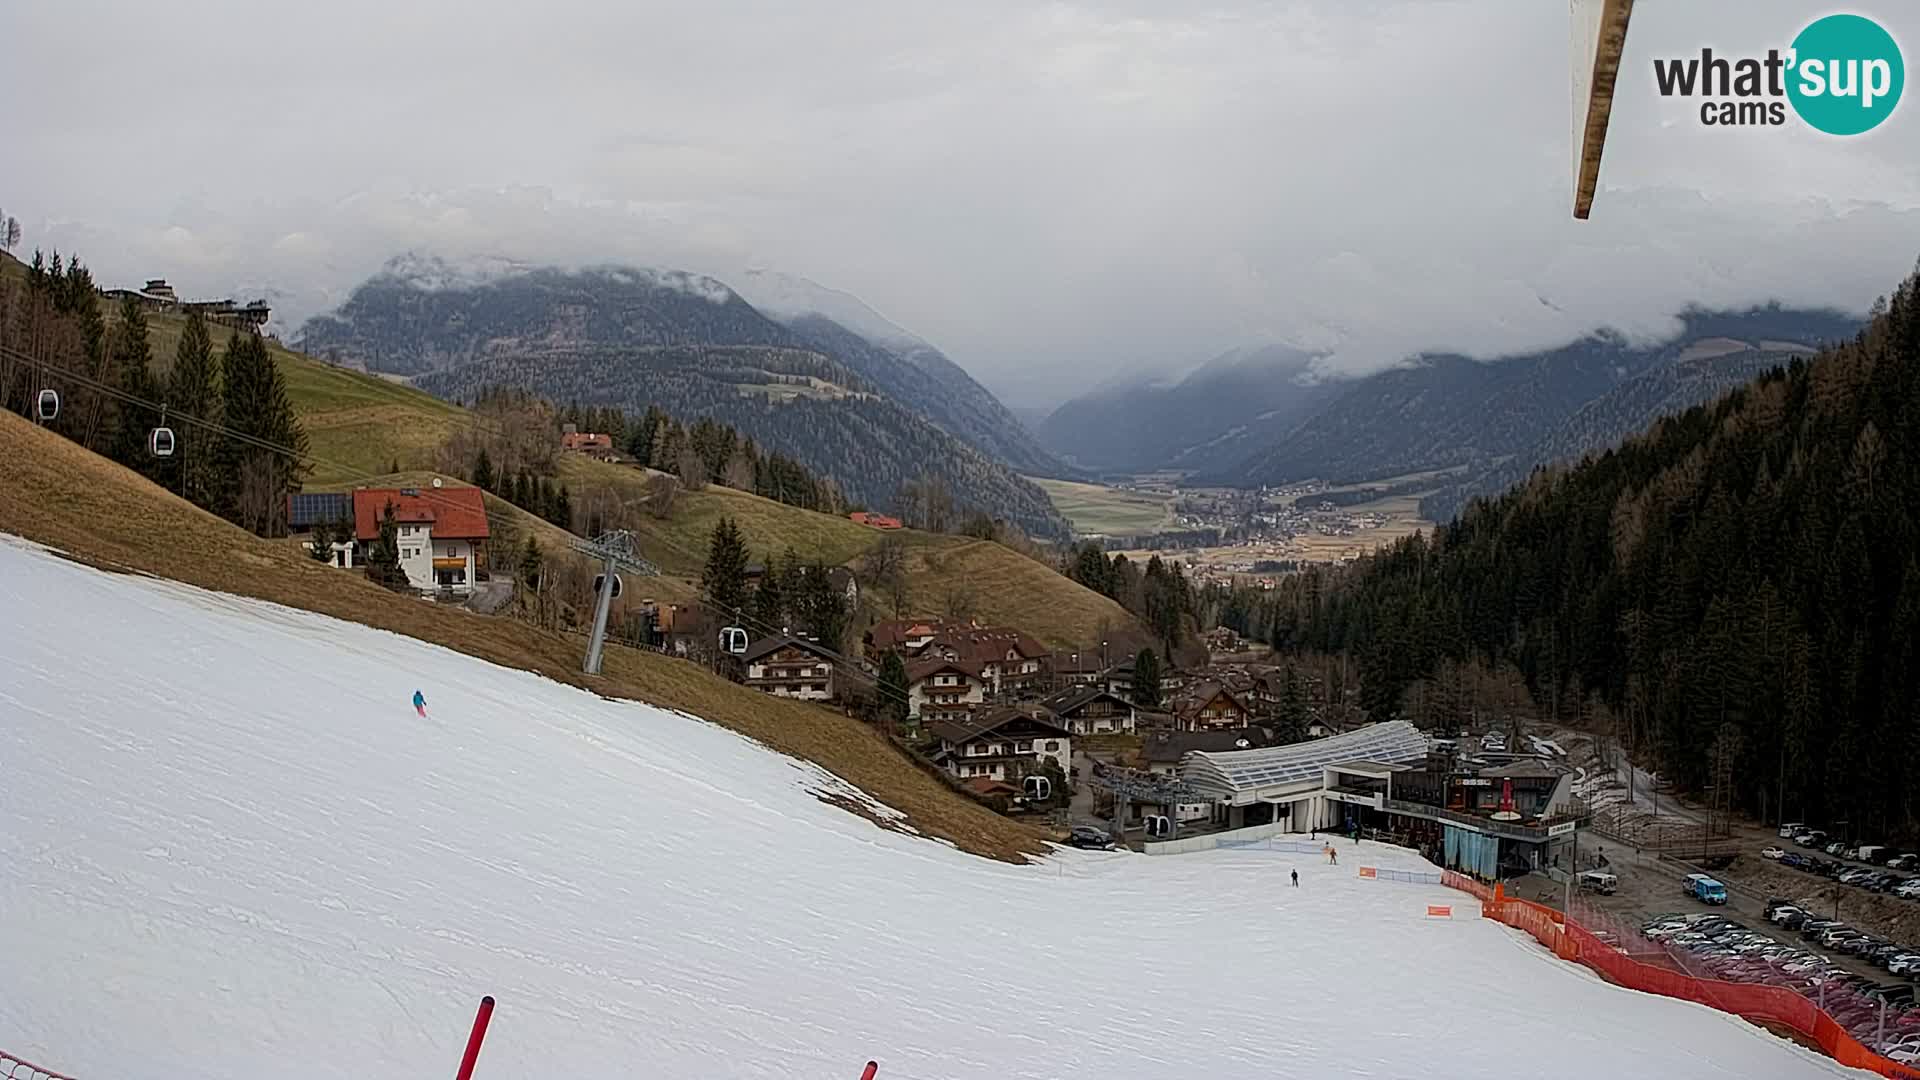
[662, 491]
[886, 569]
[692, 468]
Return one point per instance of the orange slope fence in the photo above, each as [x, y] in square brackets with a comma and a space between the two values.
[1770, 1006]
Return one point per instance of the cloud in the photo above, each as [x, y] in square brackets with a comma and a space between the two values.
[1059, 194]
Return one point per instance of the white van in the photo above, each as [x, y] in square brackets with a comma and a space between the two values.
[1792, 829]
[1598, 881]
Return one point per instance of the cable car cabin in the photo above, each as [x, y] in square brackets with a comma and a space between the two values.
[1039, 788]
[48, 406]
[733, 640]
[160, 443]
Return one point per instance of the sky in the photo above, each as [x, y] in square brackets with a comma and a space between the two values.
[1059, 195]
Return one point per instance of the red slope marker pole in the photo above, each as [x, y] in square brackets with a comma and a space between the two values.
[872, 1067]
[473, 1041]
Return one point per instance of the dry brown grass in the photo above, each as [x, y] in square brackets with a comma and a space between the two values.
[54, 492]
[1004, 588]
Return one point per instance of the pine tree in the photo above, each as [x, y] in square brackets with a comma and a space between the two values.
[823, 608]
[770, 600]
[128, 369]
[383, 558]
[483, 471]
[257, 473]
[1292, 714]
[893, 688]
[193, 388]
[320, 549]
[1146, 679]
[532, 562]
[724, 582]
[563, 509]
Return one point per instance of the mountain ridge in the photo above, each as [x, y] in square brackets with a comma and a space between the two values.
[617, 336]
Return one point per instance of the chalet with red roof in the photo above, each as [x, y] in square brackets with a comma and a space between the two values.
[442, 532]
[873, 521]
[592, 443]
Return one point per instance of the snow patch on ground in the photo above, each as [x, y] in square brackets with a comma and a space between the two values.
[229, 850]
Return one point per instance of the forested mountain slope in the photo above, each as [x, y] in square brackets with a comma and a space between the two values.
[1741, 584]
[1212, 418]
[1698, 375]
[1447, 411]
[901, 365]
[689, 344]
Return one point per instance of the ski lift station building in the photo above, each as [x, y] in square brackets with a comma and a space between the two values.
[1501, 819]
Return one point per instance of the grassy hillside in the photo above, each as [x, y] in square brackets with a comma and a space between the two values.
[54, 492]
[356, 423]
[359, 425]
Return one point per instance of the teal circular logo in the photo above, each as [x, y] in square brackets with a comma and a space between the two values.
[1846, 76]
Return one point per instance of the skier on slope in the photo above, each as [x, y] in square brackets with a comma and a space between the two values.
[420, 704]
[1296, 879]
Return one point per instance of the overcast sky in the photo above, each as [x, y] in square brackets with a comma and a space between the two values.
[1055, 193]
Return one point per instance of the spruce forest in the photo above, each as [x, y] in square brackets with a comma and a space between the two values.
[1737, 590]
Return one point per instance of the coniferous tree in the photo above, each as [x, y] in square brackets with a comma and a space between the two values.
[129, 359]
[770, 599]
[823, 608]
[724, 581]
[483, 471]
[893, 688]
[1146, 679]
[320, 548]
[563, 509]
[383, 558]
[260, 462]
[1291, 717]
[193, 388]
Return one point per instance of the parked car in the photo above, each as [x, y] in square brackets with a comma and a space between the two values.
[1877, 854]
[1088, 836]
[1836, 847]
[1908, 862]
[1794, 919]
[1909, 889]
[1599, 882]
[1812, 838]
[1774, 853]
[1791, 829]
[1780, 914]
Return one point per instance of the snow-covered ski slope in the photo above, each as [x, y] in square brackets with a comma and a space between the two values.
[229, 851]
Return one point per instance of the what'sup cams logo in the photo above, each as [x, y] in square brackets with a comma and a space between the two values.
[1842, 75]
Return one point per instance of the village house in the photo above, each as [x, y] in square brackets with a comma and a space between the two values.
[1010, 663]
[1078, 669]
[873, 521]
[1209, 706]
[441, 533]
[1090, 710]
[904, 636]
[939, 689]
[331, 512]
[792, 667]
[1007, 744]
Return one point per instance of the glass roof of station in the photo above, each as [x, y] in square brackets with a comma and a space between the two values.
[1395, 742]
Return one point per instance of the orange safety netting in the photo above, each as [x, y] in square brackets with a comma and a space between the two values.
[13, 1068]
[1771, 1005]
